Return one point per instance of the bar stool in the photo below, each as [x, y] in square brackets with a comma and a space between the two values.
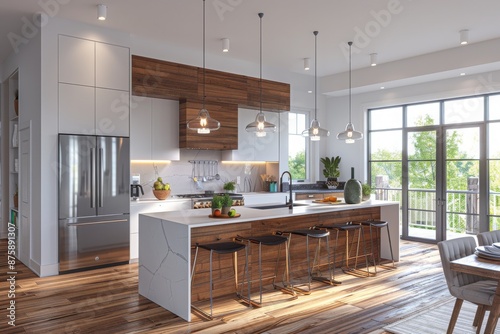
[378, 226]
[346, 256]
[269, 240]
[219, 248]
[316, 234]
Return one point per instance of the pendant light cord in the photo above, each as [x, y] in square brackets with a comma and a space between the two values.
[315, 75]
[204, 95]
[260, 81]
[350, 71]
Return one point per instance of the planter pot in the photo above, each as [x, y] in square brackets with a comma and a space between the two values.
[332, 183]
[225, 210]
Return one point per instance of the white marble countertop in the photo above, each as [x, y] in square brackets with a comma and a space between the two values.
[200, 217]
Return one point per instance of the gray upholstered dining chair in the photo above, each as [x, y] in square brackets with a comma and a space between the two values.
[488, 238]
[475, 289]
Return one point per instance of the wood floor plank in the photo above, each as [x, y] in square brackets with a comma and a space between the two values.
[106, 300]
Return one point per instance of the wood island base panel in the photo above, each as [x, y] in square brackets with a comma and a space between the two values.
[167, 240]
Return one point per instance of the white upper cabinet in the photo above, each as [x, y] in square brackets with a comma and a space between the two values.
[165, 129]
[154, 129]
[76, 109]
[94, 85]
[76, 61]
[112, 112]
[140, 129]
[251, 147]
[112, 64]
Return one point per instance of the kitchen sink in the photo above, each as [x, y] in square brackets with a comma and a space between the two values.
[276, 206]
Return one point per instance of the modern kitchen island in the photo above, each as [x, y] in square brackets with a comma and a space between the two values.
[166, 240]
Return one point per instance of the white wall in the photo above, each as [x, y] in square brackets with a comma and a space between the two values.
[354, 155]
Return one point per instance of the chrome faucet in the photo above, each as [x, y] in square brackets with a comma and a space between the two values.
[290, 202]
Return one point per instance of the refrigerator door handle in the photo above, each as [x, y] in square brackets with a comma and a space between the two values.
[93, 178]
[101, 179]
[98, 222]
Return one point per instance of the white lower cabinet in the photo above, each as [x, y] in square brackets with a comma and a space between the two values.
[149, 206]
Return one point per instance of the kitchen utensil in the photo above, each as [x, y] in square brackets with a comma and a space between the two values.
[217, 176]
[204, 179]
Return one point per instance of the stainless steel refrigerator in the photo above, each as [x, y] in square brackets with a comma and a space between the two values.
[94, 203]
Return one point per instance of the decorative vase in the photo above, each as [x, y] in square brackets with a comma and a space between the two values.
[352, 190]
[225, 210]
[15, 138]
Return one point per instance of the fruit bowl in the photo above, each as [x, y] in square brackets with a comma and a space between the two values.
[161, 194]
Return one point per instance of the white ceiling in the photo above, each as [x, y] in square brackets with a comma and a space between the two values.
[412, 27]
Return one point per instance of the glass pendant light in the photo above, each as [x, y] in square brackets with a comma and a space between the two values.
[203, 124]
[349, 134]
[315, 132]
[260, 126]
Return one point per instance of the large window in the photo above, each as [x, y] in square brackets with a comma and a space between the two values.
[441, 161]
[297, 145]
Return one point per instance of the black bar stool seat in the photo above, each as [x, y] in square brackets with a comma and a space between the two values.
[223, 247]
[268, 240]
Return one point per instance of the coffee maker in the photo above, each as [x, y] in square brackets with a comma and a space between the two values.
[135, 187]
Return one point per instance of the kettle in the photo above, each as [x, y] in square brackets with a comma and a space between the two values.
[134, 191]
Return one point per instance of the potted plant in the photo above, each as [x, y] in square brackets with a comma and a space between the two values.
[331, 170]
[227, 202]
[217, 205]
[229, 186]
[366, 191]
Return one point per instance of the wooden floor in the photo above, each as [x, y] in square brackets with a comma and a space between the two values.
[107, 301]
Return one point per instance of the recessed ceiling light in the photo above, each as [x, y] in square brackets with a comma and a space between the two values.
[225, 45]
[307, 66]
[310, 91]
[463, 73]
[382, 87]
[101, 12]
[464, 36]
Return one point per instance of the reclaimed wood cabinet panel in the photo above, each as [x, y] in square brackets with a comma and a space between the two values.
[163, 79]
[275, 95]
[226, 138]
[168, 80]
[222, 87]
[298, 248]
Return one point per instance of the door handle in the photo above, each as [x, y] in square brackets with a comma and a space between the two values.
[92, 178]
[101, 179]
[97, 223]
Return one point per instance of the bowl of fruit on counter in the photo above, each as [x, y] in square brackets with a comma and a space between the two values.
[161, 190]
